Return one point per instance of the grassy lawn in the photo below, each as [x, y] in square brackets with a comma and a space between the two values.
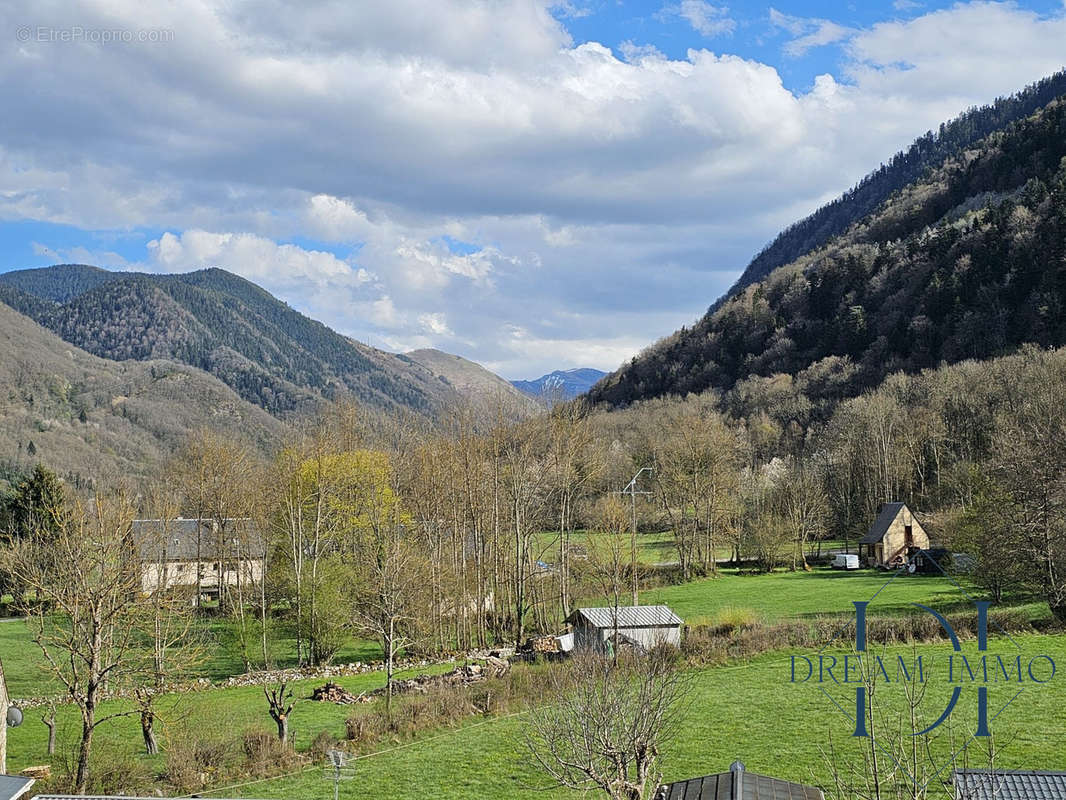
[27, 676]
[744, 710]
[227, 711]
[784, 595]
[747, 711]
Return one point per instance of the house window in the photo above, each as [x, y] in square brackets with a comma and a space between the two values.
[908, 535]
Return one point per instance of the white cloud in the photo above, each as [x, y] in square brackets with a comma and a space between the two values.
[597, 194]
[809, 33]
[706, 19]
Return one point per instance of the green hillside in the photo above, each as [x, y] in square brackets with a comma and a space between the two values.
[267, 352]
[969, 262]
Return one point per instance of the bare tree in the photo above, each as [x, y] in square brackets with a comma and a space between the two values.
[281, 705]
[86, 600]
[604, 724]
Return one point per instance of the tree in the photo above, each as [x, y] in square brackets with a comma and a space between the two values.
[37, 505]
[604, 724]
[1030, 463]
[86, 601]
[167, 647]
[391, 582]
[281, 705]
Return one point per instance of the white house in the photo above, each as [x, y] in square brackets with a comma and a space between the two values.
[173, 551]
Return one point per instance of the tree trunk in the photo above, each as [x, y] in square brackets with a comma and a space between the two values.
[81, 779]
[151, 746]
[50, 722]
[283, 727]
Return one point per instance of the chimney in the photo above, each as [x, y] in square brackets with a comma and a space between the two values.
[737, 771]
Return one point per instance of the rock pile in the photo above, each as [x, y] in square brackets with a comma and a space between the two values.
[460, 676]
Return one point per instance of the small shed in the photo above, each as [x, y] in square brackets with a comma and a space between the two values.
[893, 535]
[646, 626]
[737, 784]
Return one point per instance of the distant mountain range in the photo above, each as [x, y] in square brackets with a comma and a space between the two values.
[561, 384]
[967, 261]
[268, 353]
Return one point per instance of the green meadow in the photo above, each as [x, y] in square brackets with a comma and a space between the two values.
[749, 710]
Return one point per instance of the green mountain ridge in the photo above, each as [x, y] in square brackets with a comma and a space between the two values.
[269, 353]
[968, 262]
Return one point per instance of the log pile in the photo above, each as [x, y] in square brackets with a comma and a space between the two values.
[334, 693]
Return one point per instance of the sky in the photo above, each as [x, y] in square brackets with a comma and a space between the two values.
[533, 185]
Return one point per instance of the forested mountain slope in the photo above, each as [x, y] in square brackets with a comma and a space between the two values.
[270, 354]
[905, 167]
[969, 262]
[83, 415]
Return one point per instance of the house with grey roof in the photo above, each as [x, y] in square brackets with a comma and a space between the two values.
[1009, 784]
[13, 787]
[737, 784]
[641, 626]
[199, 552]
[892, 536]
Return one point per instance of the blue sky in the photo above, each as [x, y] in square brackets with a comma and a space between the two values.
[530, 184]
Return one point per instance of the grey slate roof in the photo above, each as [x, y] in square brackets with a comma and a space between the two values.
[175, 539]
[13, 787]
[628, 617]
[721, 787]
[884, 519]
[1006, 784]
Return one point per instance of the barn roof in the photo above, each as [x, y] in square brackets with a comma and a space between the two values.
[13, 787]
[889, 512]
[176, 539]
[628, 616]
[725, 785]
[984, 784]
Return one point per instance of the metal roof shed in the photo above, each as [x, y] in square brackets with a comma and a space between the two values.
[646, 625]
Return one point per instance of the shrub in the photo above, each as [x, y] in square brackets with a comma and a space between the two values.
[193, 760]
[265, 754]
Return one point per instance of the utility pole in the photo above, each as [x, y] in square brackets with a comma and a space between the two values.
[631, 490]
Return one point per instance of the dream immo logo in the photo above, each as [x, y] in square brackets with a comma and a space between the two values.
[859, 669]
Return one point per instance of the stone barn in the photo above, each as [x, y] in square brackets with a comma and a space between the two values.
[890, 539]
[645, 626]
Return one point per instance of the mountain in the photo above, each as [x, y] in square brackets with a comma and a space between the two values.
[267, 352]
[927, 152]
[566, 384]
[968, 262]
[83, 415]
[471, 380]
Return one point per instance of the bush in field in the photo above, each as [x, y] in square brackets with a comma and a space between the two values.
[194, 760]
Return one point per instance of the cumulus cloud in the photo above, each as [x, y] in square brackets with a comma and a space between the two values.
[335, 152]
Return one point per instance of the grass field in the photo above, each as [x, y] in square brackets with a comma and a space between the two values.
[786, 595]
[747, 710]
[27, 675]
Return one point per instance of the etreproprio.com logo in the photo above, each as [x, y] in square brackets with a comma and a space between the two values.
[858, 670]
